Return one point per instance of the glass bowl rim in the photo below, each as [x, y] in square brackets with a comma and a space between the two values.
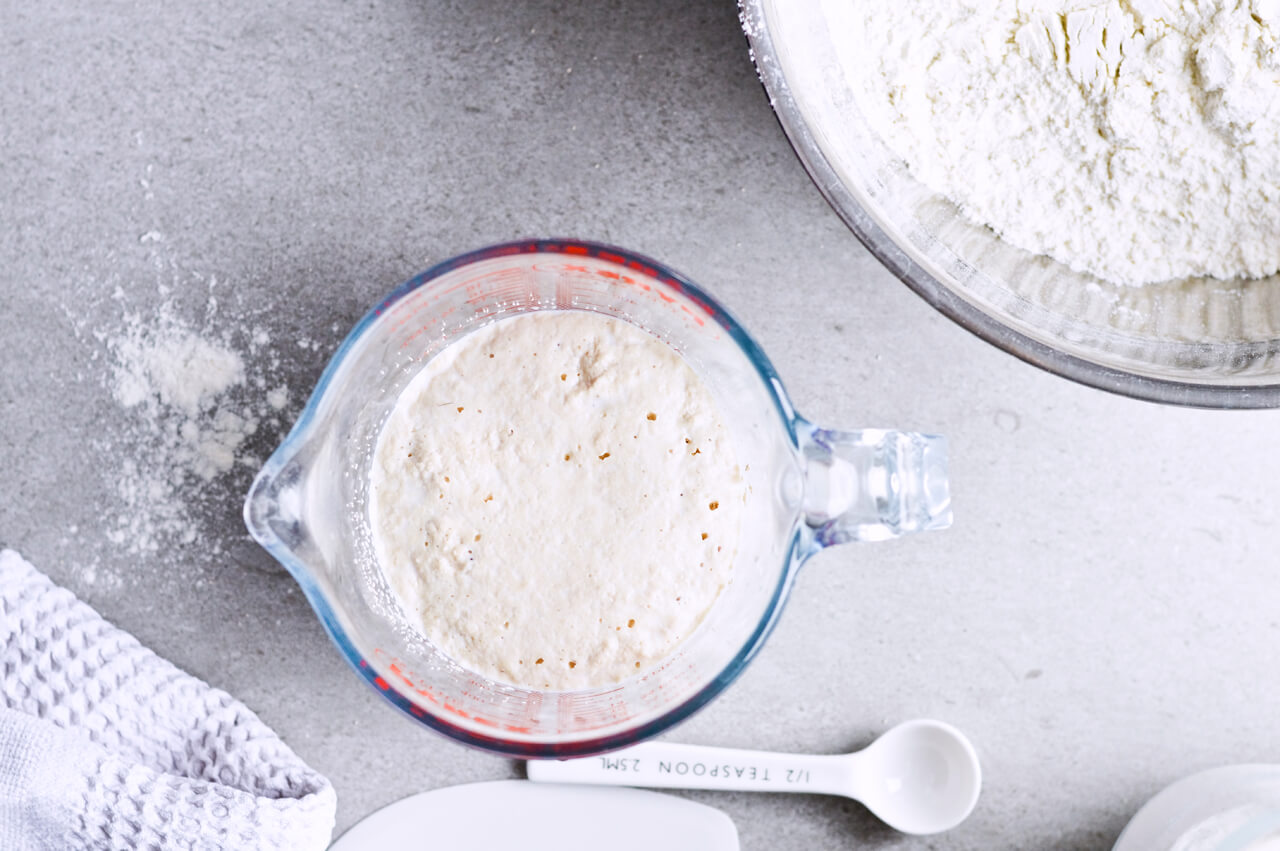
[944, 299]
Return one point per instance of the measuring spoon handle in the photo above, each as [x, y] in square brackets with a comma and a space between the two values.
[673, 766]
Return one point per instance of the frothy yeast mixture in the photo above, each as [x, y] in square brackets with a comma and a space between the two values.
[556, 501]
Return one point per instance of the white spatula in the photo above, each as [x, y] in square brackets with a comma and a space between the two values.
[528, 816]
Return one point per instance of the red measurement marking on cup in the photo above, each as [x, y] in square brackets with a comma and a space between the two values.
[596, 709]
[680, 288]
[413, 336]
[397, 671]
[566, 295]
[412, 304]
[490, 291]
[488, 288]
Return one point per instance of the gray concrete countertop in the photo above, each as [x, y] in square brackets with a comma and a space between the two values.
[1102, 619]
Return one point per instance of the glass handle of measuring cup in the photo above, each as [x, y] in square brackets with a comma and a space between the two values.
[873, 484]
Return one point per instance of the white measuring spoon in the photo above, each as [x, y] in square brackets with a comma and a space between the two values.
[919, 777]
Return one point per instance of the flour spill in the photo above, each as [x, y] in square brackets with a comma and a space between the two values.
[186, 393]
[197, 393]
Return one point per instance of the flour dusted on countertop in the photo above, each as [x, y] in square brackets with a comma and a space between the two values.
[185, 394]
[556, 501]
[182, 369]
[197, 393]
[1138, 140]
[185, 391]
[171, 368]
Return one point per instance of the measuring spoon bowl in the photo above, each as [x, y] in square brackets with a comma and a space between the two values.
[919, 777]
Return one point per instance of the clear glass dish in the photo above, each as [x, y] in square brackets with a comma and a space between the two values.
[809, 488]
[1200, 342]
[1231, 808]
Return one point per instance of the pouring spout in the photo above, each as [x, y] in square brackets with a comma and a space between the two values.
[273, 507]
[873, 484]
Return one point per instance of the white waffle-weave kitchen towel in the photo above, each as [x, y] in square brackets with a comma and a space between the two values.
[104, 745]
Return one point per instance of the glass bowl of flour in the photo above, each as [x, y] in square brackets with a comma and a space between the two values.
[548, 498]
[1091, 188]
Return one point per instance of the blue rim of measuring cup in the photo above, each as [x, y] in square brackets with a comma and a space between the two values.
[797, 550]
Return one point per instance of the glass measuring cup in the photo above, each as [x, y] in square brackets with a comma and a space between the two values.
[809, 488]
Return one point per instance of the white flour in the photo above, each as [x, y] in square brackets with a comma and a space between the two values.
[175, 365]
[171, 369]
[175, 383]
[1137, 140]
[185, 393]
[556, 501]
[191, 397]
